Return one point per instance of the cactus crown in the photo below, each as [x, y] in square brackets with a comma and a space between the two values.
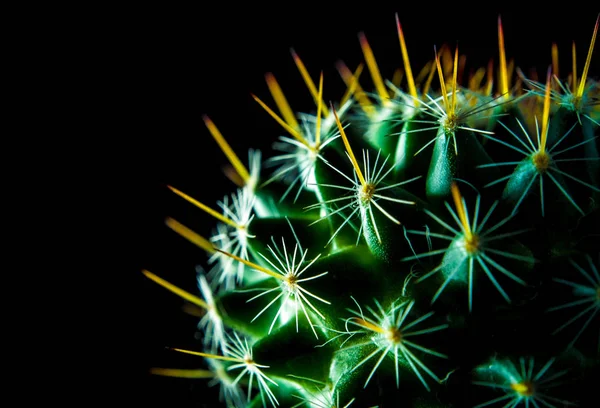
[428, 246]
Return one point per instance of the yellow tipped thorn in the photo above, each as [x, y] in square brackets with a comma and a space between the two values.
[207, 209]
[281, 101]
[208, 355]
[462, 215]
[351, 80]
[503, 69]
[354, 87]
[308, 80]
[368, 325]
[429, 78]
[475, 80]
[193, 310]
[252, 264]
[397, 77]
[179, 292]
[181, 373]
[555, 59]
[349, 149]
[423, 73]
[409, 76]
[190, 235]
[588, 61]
[490, 78]
[546, 112]
[509, 70]
[319, 109]
[233, 175]
[233, 159]
[442, 82]
[446, 60]
[373, 69]
[287, 127]
[454, 73]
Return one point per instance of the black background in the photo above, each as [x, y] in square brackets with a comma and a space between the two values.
[178, 64]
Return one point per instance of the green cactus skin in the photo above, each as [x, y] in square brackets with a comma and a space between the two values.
[427, 248]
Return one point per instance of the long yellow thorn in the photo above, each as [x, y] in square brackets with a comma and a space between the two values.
[369, 325]
[373, 69]
[351, 82]
[460, 208]
[319, 109]
[287, 127]
[252, 265]
[307, 80]
[490, 77]
[423, 73]
[409, 76]
[503, 70]
[281, 101]
[181, 373]
[454, 73]
[429, 79]
[208, 355]
[363, 182]
[446, 60]
[588, 61]
[233, 159]
[397, 77]
[546, 113]
[207, 209]
[475, 80]
[509, 71]
[190, 235]
[442, 82]
[203, 243]
[193, 310]
[179, 292]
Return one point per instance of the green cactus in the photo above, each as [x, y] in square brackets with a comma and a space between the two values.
[427, 247]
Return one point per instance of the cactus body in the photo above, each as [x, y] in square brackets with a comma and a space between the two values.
[408, 248]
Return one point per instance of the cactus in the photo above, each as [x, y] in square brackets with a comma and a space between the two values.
[426, 245]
